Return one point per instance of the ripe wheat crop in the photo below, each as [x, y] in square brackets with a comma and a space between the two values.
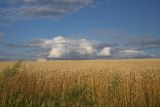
[90, 83]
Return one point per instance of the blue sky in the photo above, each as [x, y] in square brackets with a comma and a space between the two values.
[97, 28]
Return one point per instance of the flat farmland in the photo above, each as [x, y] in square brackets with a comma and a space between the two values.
[80, 83]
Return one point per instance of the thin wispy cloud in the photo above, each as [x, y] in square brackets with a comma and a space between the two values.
[1, 37]
[40, 9]
[145, 42]
[132, 53]
[140, 42]
[123, 53]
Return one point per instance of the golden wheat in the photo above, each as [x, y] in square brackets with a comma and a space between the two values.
[90, 83]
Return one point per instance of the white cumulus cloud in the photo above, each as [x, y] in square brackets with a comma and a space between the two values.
[105, 52]
[61, 47]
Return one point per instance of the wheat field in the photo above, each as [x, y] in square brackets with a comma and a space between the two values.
[85, 83]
